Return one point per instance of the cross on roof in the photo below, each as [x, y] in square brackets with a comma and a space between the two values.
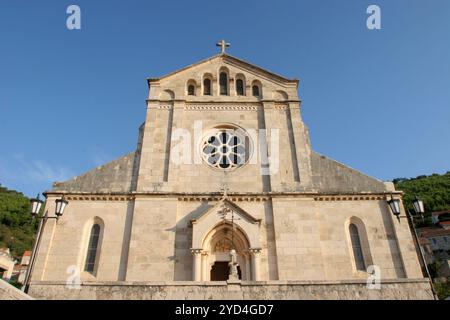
[222, 44]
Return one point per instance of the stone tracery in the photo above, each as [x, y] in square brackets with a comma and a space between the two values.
[225, 149]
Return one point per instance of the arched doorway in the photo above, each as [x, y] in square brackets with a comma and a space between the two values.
[220, 271]
[217, 245]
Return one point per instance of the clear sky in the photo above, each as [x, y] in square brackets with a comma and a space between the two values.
[376, 100]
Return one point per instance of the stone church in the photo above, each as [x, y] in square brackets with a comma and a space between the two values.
[223, 198]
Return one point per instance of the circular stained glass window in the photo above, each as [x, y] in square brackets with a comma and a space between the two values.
[225, 149]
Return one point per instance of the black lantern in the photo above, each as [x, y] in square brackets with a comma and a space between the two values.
[418, 206]
[60, 206]
[394, 204]
[36, 205]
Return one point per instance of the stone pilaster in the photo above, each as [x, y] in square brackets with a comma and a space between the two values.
[255, 254]
[302, 146]
[155, 153]
[197, 264]
[405, 242]
[204, 265]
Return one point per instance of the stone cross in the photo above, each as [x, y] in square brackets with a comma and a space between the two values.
[223, 45]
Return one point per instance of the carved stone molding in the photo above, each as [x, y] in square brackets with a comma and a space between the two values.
[239, 197]
[280, 107]
[217, 198]
[254, 250]
[163, 107]
[350, 198]
[196, 251]
[99, 198]
[214, 107]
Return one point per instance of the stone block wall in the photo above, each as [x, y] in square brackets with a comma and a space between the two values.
[8, 292]
[312, 239]
[301, 238]
[152, 243]
[410, 289]
[64, 242]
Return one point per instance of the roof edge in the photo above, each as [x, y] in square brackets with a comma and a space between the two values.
[226, 56]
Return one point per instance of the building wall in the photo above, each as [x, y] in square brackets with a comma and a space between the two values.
[8, 292]
[162, 238]
[187, 210]
[147, 234]
[159, 171]
[6, 266]
[440, 242]
[169, 108]
[198, 177]
[301, 239]
[64, 242]
[312, 241]
[272, 290]
[152, 244]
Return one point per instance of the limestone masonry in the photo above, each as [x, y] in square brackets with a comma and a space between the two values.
[149, 226]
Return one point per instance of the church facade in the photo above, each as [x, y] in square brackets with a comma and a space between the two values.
[224, 198]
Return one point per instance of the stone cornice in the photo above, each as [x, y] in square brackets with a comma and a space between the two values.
[249, 197]
[220, 102]
[350, 198]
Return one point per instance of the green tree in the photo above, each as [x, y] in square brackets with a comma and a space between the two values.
[442, 290]
[17, 228]
[434, 190]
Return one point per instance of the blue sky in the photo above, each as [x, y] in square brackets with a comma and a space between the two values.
[378, 101]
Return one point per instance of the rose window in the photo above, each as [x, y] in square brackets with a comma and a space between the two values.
[225, 149]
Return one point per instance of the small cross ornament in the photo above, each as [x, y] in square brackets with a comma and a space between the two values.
[223, 45]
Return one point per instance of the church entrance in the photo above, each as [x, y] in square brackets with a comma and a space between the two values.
[217, 248]
[220, 271]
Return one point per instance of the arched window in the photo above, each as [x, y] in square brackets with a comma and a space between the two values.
[356, 246]
[191, 90]
[223, 83]
[207, 87]
[239, 87]
[91, 255]
[255, 90]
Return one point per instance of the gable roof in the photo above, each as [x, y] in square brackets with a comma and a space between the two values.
[241, 63]
[331, 176]
[115, 176]
[118, 176]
